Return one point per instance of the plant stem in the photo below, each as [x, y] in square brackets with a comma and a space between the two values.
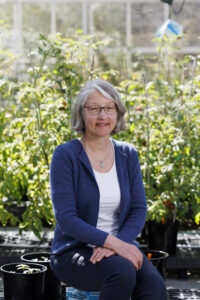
[38, 113]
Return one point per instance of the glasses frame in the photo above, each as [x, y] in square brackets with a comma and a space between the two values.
[100, 108]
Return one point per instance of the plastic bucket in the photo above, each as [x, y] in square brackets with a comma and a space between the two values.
[20, 286]
[52, 286]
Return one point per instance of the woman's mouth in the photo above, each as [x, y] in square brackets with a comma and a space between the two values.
[101, 124]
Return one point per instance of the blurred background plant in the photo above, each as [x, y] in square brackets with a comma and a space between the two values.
[37, 121]
[164, 124]
[161, 94]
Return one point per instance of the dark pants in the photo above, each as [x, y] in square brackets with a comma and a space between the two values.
[115, 277]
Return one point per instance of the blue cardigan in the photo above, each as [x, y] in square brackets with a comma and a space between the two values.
[75, 196]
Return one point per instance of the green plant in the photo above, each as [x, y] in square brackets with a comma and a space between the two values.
[26, 269]
[42, 258]
[163, 125]
[37, 122]
[163, 107]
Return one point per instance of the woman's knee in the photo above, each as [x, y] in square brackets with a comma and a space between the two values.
[150, 282]
[123, 271]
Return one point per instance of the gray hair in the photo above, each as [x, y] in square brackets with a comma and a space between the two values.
[108, 91]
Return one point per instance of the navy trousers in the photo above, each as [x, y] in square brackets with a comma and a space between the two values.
[115, 277]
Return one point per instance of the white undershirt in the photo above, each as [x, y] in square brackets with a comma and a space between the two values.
[109, 202]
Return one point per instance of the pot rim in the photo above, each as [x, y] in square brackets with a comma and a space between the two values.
[36, 253]
[42, 268]
[165, 254]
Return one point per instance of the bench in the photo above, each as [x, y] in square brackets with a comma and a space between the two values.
[70, 293]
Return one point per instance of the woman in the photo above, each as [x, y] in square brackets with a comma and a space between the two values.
[99, 204]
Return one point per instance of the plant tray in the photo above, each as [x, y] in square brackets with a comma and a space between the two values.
[177, 294]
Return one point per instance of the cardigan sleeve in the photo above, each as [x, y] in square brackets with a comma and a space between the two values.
[135, 219]
[63, 199]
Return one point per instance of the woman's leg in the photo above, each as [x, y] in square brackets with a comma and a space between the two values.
[114, 277]
[150, 284]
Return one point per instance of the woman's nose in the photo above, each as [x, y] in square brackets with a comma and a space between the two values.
[102, 113]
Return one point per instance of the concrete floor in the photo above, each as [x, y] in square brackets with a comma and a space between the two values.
[171, 278]
[183, 284]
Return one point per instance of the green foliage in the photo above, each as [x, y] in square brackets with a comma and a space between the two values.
[38, 121]
[26, 269]
[163, 122]
[163, 109]
[6, 56]
[42, 258]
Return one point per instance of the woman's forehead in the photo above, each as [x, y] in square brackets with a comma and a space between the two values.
[97, 98]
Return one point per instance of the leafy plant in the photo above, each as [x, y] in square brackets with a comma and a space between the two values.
[37, 122]
[26, 269]
[163, 107]
[42, 258]
[163, 124]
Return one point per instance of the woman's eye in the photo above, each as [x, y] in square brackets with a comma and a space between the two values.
[110, 107]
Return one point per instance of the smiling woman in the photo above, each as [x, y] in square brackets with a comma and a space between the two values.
[99, 204]
[104, 89]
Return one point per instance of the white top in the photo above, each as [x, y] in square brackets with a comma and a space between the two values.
[109, 202]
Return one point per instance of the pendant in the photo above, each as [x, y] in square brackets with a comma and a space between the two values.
[101, 164]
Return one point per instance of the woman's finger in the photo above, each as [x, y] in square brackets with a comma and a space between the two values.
[100, 253]
[95, 255]
[132, 254]
[110, 253]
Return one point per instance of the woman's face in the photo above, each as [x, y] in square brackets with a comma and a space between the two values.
[99, 124]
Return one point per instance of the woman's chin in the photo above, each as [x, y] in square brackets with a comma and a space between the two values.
[102, 133]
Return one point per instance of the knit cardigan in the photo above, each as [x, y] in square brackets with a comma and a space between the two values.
[75, 196]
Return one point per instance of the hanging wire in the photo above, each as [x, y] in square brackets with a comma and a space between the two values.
[177, 12]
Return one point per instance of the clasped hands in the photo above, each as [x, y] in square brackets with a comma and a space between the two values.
[114, 246]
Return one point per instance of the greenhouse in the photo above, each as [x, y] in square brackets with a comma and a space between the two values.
[99, 149]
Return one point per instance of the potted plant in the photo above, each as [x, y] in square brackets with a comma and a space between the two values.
[23, 281]
[158, 258]
[163, 112]
[52, 286]
[162, 223]
[173, 185]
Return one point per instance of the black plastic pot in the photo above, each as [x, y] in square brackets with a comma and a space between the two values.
[158, 259]
[162, 236]
[52, 286]
[20, 286]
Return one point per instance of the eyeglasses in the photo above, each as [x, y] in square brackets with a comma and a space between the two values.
[96, 110]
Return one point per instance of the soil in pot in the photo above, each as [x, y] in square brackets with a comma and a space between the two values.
[52, 286]
[23, 286]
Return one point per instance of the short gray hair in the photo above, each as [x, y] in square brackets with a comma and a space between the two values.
[108, 91]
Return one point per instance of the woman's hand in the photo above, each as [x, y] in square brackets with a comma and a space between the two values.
[99, 253]
[126, 250]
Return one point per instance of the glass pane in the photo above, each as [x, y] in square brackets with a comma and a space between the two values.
[146, 18]
[36, 17]
[6, 14]
[110, 18]
[36, 20]
[189, 18]
[68, 17]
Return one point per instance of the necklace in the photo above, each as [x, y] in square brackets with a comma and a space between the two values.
[101, 161]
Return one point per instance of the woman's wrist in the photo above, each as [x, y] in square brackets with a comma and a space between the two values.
[112, 242]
